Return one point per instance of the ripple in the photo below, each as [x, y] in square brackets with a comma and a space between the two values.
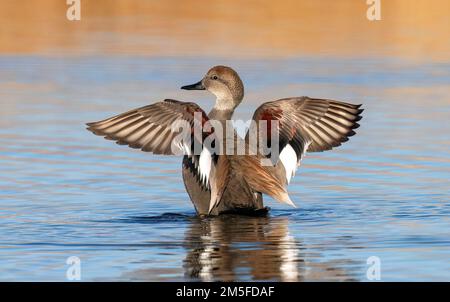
[163, 218]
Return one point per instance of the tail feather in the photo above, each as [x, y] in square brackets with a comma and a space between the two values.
[263, 179]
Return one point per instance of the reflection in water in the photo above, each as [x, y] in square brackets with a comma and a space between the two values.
[258, 248]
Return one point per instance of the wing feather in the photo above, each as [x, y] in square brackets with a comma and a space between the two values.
[308, 124]
[149, 128]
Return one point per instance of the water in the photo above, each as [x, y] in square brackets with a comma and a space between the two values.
[65, 192]
[125, 214]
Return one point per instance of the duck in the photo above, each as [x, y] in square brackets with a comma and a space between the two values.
[234, 181]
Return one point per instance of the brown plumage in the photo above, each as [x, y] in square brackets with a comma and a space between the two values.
[219, 183]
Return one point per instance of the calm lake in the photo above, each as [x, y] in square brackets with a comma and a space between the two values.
[125, 214]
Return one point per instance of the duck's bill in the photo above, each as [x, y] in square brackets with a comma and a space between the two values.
[196, 86]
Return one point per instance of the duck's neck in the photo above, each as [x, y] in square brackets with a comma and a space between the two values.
[221, 114]
[223, 109]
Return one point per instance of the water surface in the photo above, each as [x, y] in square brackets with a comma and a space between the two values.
[125, 214]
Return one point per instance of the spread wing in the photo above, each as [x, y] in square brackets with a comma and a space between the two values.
[156, 128]
[307, 125]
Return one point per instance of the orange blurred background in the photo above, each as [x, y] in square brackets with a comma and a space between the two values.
[417, 29]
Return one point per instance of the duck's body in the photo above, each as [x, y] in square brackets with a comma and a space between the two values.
[238, 196]
[220, 181]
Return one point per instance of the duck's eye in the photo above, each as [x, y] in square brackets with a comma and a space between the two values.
[214, 77]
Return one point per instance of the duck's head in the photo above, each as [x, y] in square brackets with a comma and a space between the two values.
[224, 83]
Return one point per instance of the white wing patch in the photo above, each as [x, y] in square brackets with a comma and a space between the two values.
[289, 160]
[204, 166]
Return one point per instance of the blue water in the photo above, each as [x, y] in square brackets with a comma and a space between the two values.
[125, 214]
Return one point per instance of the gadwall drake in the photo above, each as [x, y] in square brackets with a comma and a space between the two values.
[221, 182]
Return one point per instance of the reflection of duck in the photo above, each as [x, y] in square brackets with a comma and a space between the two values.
[229, 248]
[219, 180]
